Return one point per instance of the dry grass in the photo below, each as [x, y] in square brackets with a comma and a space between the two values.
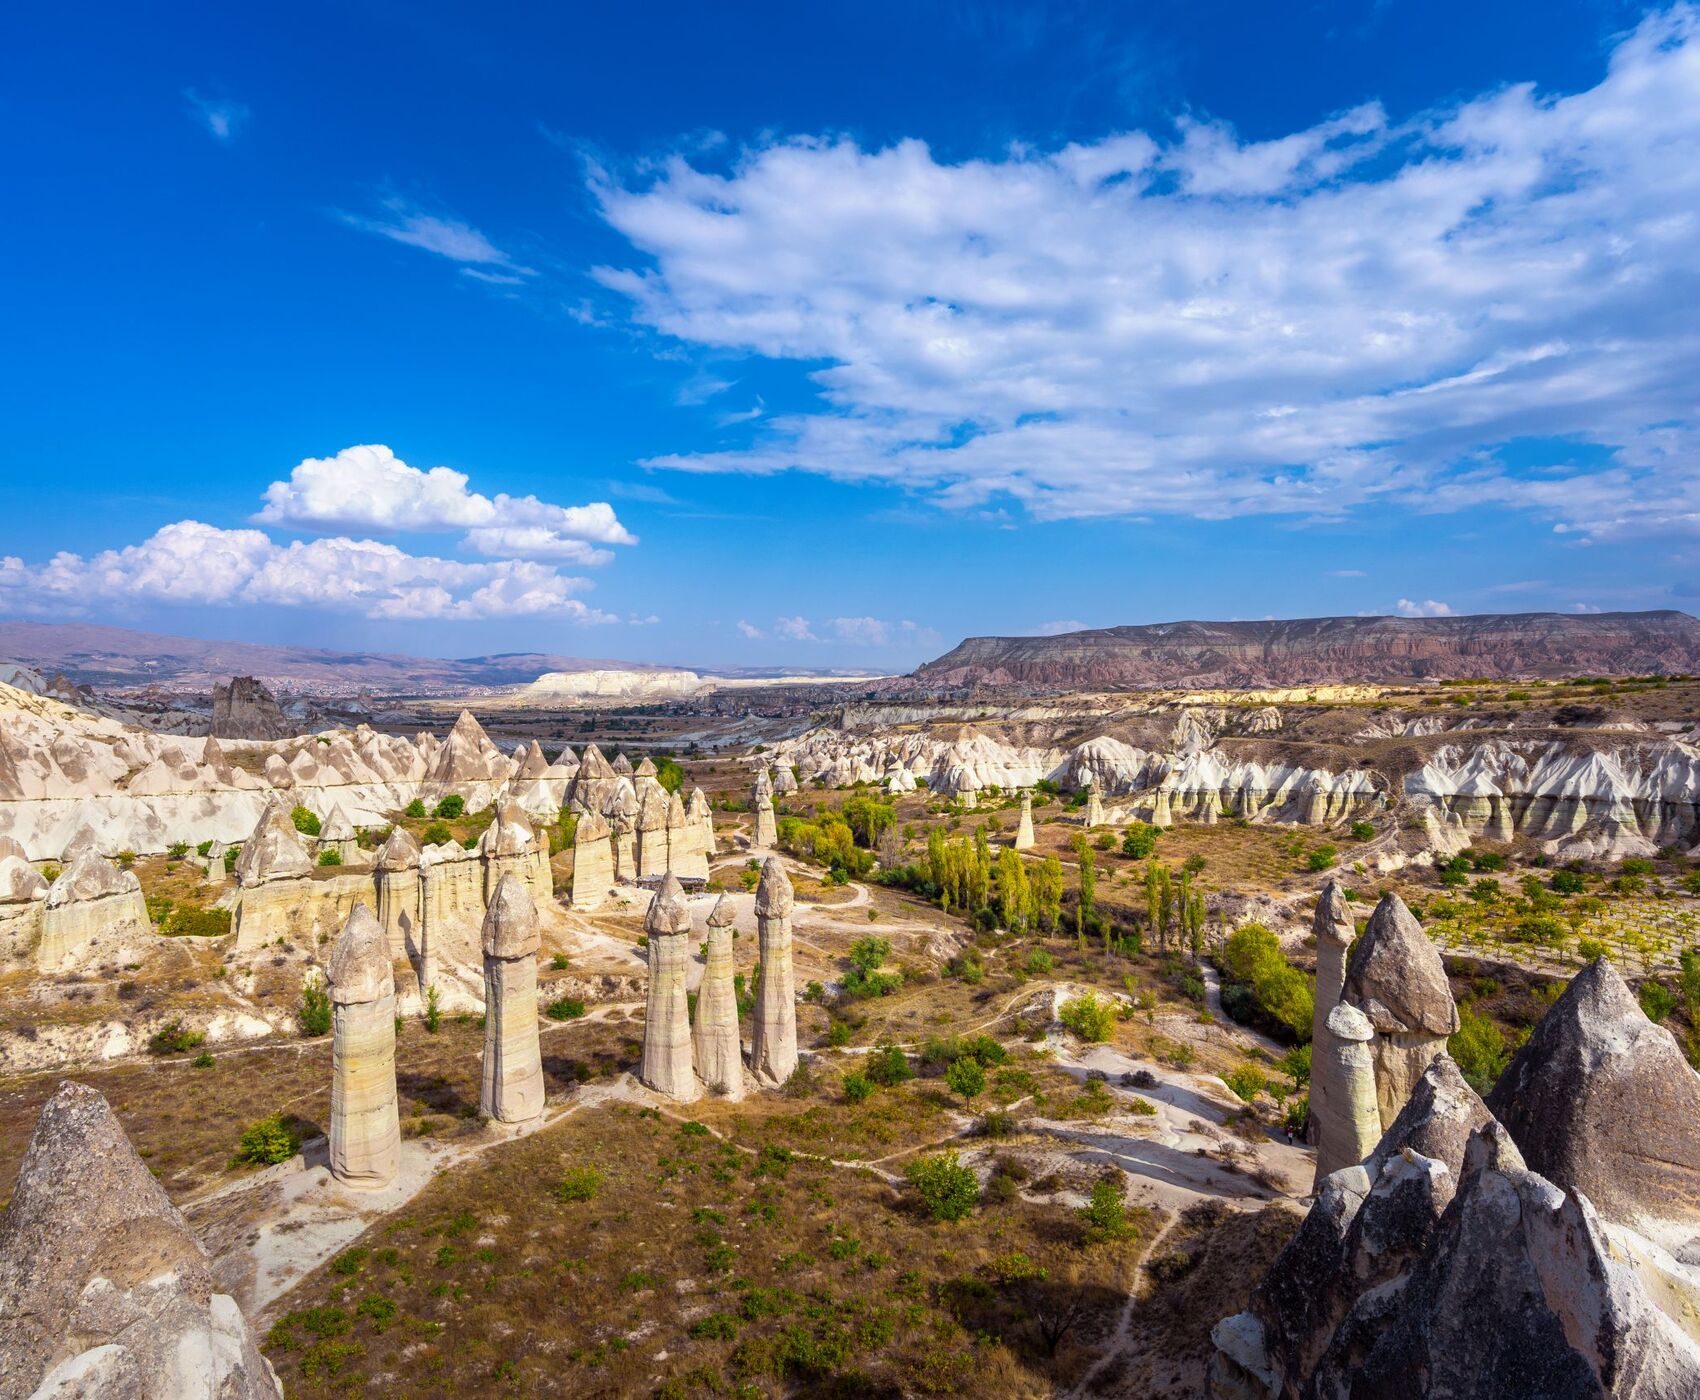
[694, 1268]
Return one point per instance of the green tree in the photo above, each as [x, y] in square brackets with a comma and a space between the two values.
[451, 807]
[1047, 882]
[306, 822]
[314, 1013]
[1087, 871]
[1139, 840]
[1104, 1216]
[1089, 1016]
[1479, 1048]
[966, 1077]
[1015, 892]
[415, 808]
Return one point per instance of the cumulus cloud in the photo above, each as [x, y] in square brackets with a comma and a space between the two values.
[1405, 607]
[750, 630]
[1360, 313]
[370, 488]
[222, 118]
[190, 562]
[794, 629]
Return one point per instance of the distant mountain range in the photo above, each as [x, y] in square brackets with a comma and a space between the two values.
[119, 658]
[1319, 650]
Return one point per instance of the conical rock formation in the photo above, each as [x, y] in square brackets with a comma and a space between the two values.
[773, 1040]
[365, 1133]
[104, 1290]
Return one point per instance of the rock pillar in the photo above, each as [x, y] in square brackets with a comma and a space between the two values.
[1395, 977]
[512, 1089]
[767, 830]
[593, 862]
[1094, 806]
[397, 880]
[1024, 832]
[667, 1022]
[1344, 1115]
[773, 1041]
[719, 1052]
[365, 1136]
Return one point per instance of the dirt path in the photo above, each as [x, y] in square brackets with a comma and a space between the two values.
[1117, 1344]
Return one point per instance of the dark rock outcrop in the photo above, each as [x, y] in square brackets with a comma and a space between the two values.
[1306, 651]
[244, 709]
[1602, 1101]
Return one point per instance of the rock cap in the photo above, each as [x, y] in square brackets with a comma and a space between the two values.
[774, 895]
[668, 911]
[1395, 976]
[1333, 916]
[360, 969]
[510, 923]
[724, 914]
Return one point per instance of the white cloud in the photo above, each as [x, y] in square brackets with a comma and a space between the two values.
[448, 238]
[1355, 314]
[1427, 608]
[370, 488]
[750, 630]
[1056, 629]
[1583, 608]
[794, 629]
[222, 118]
[189, 562]
[861, 631]
[648, 620]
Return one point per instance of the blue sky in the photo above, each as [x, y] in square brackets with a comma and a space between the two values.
[751, 334]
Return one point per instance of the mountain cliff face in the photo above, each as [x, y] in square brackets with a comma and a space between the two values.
[1318, 650]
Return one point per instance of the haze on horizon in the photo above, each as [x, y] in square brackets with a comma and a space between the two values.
[841, 337]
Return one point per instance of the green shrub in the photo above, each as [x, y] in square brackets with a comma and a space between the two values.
[203, 1061]
[330, 857]
[1104, 1217]
[452, 806]
[314, 1013]
[1322, 858]
[1657, 1000]
[888, 1065]
[415, 808]
[838, 1034]
[1139, 840]
[566, 1009]
[579, 1184]
[433, 1009]
[1362, 831]
[1089, 1016]
[204, 849]
[306, 822]
[1479, 1047]
[948, 1189]
[1248, 1081]
[270, 1141]
[857, 1086]
[175, 1038]
[1039, 962]
[437, 834]
[1590, 948]
[1262, 988]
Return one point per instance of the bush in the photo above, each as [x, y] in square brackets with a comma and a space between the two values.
[1248, 1081]
[579, 1184]
[1657, 1000]
[566, 1009]
[1104, 1217]
[1362, 831]
[415, 808]
[1039, 962]
[838, 1034]
[1089, 1016]
[1322, 858]
[889, 1066]
[305, 821]
[1263, 988]
[1479, 1047]
[268, 1142]
[332, 857]
[437, 834]
[1590, 949]
[452, 806]
[1139, 840]
[948, 1189]
[314, 1014]
[175, 1038]
[857, 1086]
